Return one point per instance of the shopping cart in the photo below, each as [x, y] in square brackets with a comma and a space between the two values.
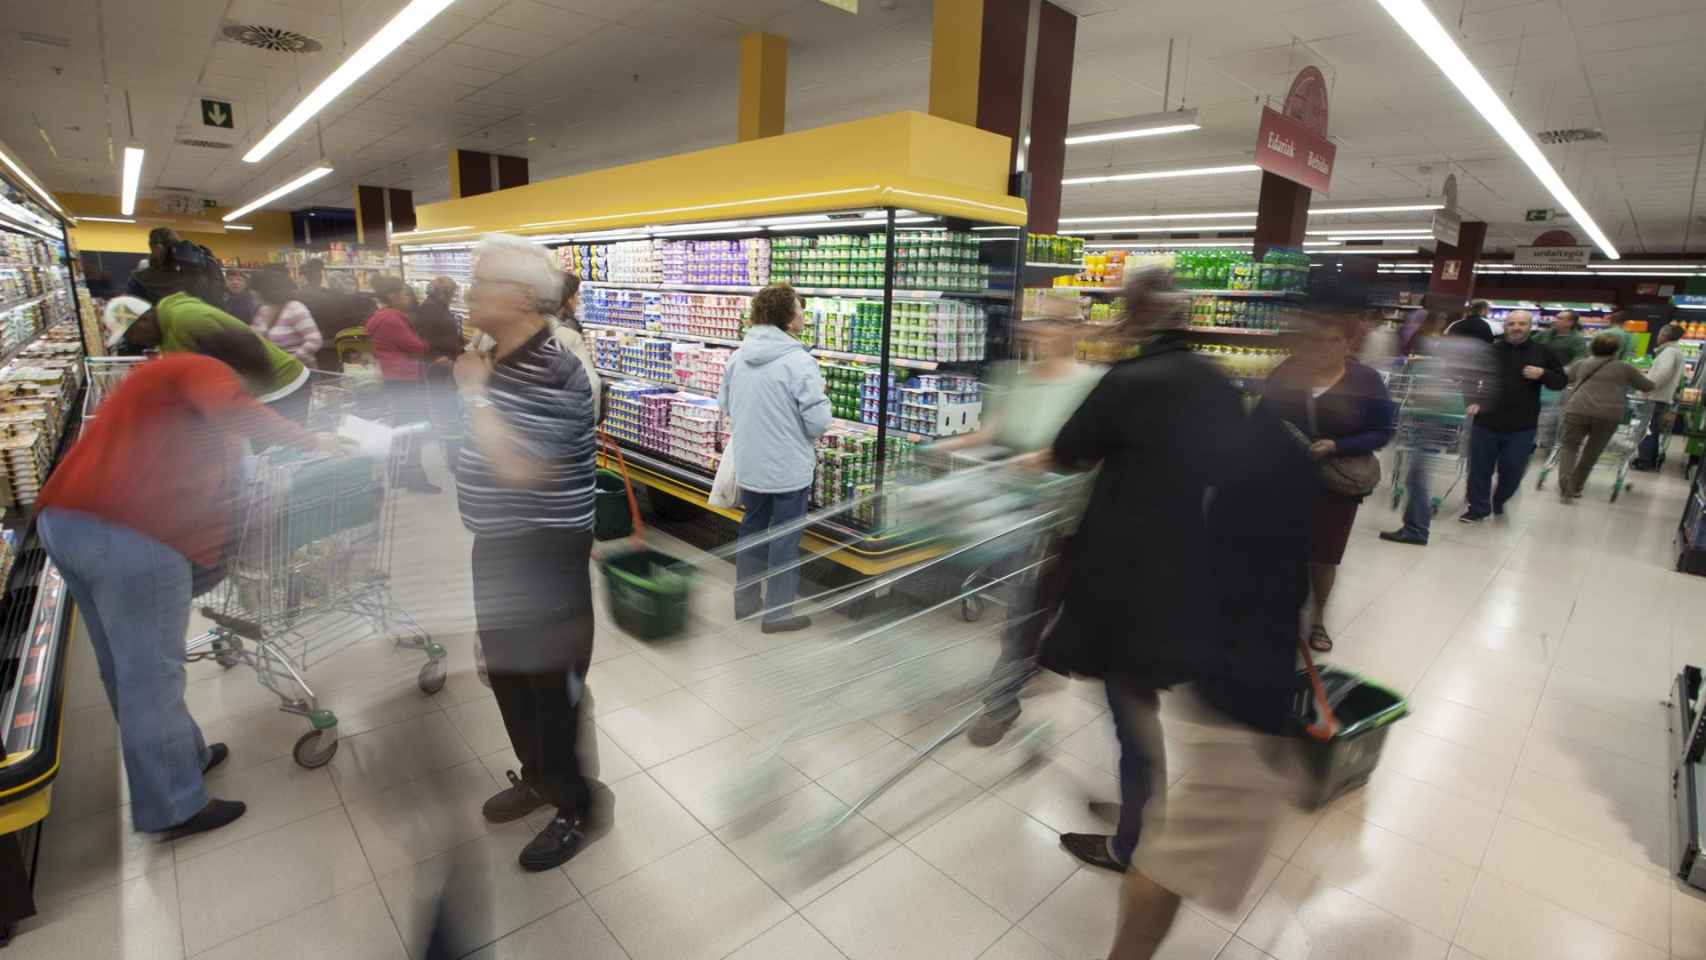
[1433, 428]
[101, 376]
[1619, 454]
[307, 572]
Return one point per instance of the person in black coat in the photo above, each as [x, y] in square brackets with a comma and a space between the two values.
[1473, 324]
[1150, 597]
[1502, 438]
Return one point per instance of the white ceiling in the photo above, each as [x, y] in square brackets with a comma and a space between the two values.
[581, 84]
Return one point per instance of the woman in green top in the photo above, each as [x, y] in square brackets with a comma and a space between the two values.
[178, 321]
[1564, 338]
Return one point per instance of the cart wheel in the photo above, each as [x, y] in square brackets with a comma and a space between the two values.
[316, 748]
[432, 675]
[1433, 502]
[971, 608]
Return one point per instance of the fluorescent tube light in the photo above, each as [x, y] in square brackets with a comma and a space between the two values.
[132, 177]
[1164, 174]
[1165, 245]
[391, 36]
[1322, 243]
[1174, 228]
[237, 226]
[1380, 250]
[1373, 231]
[1128, 128]
[1389, 208]
[1419, 23]
[30, 182]
[266, 198]
[109, 219]
[1148, 217]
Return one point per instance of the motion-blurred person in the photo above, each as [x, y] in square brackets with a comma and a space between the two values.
[1617, 324]
[773, 394]
[1595, 409]
[1564, 338]
[240, 301]
[525, 488]
[402, 356]
[1502, 438]
[283, 318]
[1035, 401]
[572, 336]
[1343, 409]
[175, 266]
[333, 311]
[1164, 427]
[1666, 374]
[180, 321]
[1474, 323]
[439, 326]
[139, 505]
[1445, 375]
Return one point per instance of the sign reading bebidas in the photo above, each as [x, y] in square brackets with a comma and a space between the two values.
[1553, 256]
[1287, 148]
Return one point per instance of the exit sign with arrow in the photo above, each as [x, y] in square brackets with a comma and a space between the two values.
[217, 113]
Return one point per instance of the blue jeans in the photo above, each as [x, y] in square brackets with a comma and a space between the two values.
[754, 591]
[1136, 712]
[1509, 453]
[1656, 435]
[1418, 505]
[133, 593]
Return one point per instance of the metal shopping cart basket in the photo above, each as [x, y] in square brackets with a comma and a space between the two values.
[308, 575]
[1625, 444]
[101, 376]
[1433, 429]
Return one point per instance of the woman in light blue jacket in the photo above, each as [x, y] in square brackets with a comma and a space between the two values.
[773, 394]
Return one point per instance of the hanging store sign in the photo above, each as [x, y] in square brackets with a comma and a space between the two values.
[1287, 148]
[1553, 256]
[217, 113]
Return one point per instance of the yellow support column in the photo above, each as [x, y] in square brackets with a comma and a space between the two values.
[956, 52]
[763, 85]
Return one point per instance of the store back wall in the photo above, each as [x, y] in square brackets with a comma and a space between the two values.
[271, 233]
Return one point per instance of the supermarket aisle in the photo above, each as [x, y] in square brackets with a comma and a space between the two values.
[1519, 814]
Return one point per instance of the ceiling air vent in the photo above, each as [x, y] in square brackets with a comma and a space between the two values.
[1571, 135]
[271, 38]
[209, 144]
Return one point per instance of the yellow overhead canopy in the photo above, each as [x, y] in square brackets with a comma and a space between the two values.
[910, 160]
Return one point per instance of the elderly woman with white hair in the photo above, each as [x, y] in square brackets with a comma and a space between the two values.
[525, 488]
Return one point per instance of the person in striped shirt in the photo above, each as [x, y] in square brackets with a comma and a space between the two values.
[282, 318]
[524, 485]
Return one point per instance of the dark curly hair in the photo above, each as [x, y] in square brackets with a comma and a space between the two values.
[774, 305]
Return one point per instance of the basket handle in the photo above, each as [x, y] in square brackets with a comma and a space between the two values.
[627, 483]
[1327, 725]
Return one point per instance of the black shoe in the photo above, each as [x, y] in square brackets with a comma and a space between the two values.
[560, 840]
[1092, 848]
[786, 626]
[512, 803]
[1498, 509]
[216, 754]
[1403, 536]
[1471, 517]
[216, 814]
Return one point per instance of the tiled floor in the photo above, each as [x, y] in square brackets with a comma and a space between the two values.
[1520, 813]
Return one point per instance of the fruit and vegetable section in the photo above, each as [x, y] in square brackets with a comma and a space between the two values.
[662, 317]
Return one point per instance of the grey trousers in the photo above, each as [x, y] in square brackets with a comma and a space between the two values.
[1584, 439]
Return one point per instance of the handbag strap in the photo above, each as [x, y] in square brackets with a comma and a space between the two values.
[1326, 725]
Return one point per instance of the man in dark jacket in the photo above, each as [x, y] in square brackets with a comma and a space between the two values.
[1473, 324]
[333, 311]
[175, 267]
[1503, 435]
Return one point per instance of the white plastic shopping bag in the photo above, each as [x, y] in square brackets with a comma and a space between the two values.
[725, 490]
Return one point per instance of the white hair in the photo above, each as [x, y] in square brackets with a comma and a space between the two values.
[503, 256]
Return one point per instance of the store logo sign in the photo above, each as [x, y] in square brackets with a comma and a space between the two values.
[1553, 256]
[1287, 148]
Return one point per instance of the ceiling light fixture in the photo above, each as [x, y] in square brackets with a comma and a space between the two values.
[1163, 174]
[1322, 243]
[1147, 217]
[109, 219]
[31, 183]
[1130, 128]
[237, 226]
[131, 178]
[1419, 22]
[391, 36]
[312, 175]
[411, 234]
[1337, 232]
[1174, 228]
[1167, 245]
[1389, 208]
[1380, 250]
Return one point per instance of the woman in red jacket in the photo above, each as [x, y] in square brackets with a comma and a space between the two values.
[402, 355]
[141, 500]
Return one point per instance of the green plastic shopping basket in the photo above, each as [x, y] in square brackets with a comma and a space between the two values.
[1342, 746]
[649, 590]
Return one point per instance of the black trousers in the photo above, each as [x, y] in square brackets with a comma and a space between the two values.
[533, 610]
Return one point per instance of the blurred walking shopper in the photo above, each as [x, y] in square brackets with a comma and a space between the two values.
[282, 318]
[1594, 411]
[1474, 323]
[175, 266]
[240, 301]
[140, 504]
[1446, 374]
[1666, 374]
[402, 356]
[1341, 407]
[1564, 338]
[572, 336]
[438, 325]
[1502, 439]
[1617, 324]
[773, 394]
[525, 489]
[179, 322]
[334, 311]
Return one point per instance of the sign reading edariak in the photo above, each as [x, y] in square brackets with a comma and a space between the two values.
[1287, 148]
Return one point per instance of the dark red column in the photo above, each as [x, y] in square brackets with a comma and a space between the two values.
[1453, 280]
[1001, 95]
[1282, 213]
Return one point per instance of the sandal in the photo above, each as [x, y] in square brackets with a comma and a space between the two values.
[1319, 641]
